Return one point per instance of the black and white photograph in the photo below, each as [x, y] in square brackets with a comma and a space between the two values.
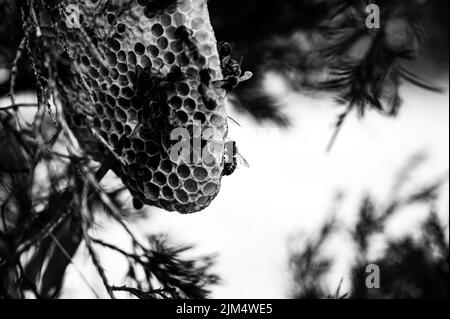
[247, 151]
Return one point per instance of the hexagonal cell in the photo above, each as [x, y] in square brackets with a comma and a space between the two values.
[159, 179]
[130, 156]
[132, 116]
[182, 59]
[174, 181]
[121, 115]
[200, 173]
[165, 20]
[113, 73]
[158, 63]
[153, 50]
[198, 23]
[106, 125]
[115, 90]
[189, 104]
[128, 130]
[184, 171]
[124, 103]
[123, 80]
[95, 62]
[139, 48]
[217, 119]
[122, 68]
[191, 186]
[101, 98]
[163, 43]
[104, 71]
[200, 117]
[207, 49]
[210, 104]
[157, 30]
[167, 166]
[119, 128]
[192, 72]
[113, 139]
[170, 32]
[85, 61]
[167, 193]
[111, 18]
[169, 58]
[132, 77]
[185, 6]
[121, 56]
[183, 89]
[127, 93]
[179, 19]
[121, 28]
[131, 58]
[113, 44]
[93, 73]
[98, 109]
[153, 162]
[150, 14]
[146, 62]
[210, 188]
[181, 196]
[182, 117]
[203, 201]
[202, 35]
[175, 102]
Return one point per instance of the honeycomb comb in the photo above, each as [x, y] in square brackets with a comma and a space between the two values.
[136, 77]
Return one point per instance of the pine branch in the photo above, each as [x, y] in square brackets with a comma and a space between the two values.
[144, 294]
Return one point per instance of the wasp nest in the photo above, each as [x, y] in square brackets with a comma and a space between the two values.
[141, 69]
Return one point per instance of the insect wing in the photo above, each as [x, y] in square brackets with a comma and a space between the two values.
[242, 160]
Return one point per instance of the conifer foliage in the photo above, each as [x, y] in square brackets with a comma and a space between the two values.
[50, 195]
[51, 199]
[412, 266]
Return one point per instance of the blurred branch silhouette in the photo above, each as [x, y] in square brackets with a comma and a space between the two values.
[48, 192]
[44, 221]
[411, 267]
[325, 47]
[49, 197]
[319, 47]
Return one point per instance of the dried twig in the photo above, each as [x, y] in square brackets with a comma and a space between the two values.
[89, 245]
[69, 258]
[339, 125]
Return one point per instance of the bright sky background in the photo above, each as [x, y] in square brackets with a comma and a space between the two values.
[289, 190]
